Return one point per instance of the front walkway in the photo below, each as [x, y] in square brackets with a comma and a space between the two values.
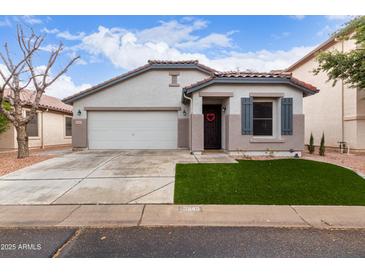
[100, 177]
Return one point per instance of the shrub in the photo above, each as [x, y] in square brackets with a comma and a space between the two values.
[4, 122]
[321, 147]
[311, 144]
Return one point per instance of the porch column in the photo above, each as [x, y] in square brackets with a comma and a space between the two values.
[197, 124]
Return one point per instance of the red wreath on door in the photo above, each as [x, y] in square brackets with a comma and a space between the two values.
[210, 117]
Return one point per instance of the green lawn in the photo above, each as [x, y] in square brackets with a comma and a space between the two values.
[271, 182]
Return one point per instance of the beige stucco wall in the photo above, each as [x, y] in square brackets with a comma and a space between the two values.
[7, 138]
[53, 132]
[323, 111]
[149, 89]
[361, 134]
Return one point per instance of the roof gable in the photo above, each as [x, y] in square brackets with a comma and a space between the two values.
[325, 45]
[234, 77]
[151, 65]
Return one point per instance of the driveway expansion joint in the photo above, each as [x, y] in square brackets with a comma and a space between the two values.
[69, 215]
[67, 242]
[148, 193]
[140, 219]
[300, 216]
[86, 177]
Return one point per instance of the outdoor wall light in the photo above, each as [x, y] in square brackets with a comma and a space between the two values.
[224, 108]
[184, 112]
[78, 112]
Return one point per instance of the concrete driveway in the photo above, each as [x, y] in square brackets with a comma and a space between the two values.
[100, 177]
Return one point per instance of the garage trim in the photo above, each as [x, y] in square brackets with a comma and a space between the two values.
[132, 108]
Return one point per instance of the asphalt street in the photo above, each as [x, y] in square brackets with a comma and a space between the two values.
[191, 242]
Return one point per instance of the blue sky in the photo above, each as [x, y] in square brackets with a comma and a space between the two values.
[110, 45]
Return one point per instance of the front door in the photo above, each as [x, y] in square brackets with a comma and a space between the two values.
[212, 126]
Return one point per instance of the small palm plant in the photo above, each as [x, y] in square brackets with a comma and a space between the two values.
[311, 144]
[321, 147]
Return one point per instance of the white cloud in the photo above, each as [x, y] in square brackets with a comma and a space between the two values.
[127, 51]
[4, 71]
[209, 41]
[64, 34]
[297, 17]
[326, 30]
[172, 32]
[339, 17]
[64, 86]
[49, 47]
[68, 36]
[262, 60]
[5, 23]
[61, 88]
[31, 20]
[50, 31]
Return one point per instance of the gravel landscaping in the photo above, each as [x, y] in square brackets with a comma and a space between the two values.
[9, 161]
[354, 161]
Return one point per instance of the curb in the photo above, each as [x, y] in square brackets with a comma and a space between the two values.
[323, 217]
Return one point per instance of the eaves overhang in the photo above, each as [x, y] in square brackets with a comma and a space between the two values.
[225, 80]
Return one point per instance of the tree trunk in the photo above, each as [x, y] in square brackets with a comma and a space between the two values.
[22, 139]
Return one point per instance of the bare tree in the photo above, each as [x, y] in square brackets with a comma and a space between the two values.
[21, 74]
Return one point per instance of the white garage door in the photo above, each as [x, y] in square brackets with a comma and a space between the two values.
[132, 129]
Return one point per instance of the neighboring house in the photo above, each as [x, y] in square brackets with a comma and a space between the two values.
[51, 126]
[338, 111]
[184, 104]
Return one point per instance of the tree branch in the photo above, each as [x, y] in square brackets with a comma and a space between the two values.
[62, 72]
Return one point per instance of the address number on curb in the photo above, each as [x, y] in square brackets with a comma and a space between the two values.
[190, 209]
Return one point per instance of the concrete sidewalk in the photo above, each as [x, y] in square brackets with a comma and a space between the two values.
[182, 215]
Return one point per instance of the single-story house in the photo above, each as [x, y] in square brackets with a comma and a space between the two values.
[52, 126]
[184, 104]
[337, 111]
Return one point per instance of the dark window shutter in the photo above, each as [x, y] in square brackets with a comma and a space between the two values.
[246, 115]
[286, 116]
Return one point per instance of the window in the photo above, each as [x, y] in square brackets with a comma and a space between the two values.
[32, 126]
[262, 118]
[174, 79]
[68, 126]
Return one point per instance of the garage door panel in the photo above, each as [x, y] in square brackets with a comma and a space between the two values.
[132, 130]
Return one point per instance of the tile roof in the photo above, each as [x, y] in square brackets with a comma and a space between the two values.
[173, 62]
[278, 74]
[250, 74]
[46, 102]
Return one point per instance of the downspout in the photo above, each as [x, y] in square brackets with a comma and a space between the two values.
[42, 130]
[191, 102]
[190, 120]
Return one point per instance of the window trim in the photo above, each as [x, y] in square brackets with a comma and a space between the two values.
[64, 128]
[172, 75]
[38, 137]
[272, 101]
